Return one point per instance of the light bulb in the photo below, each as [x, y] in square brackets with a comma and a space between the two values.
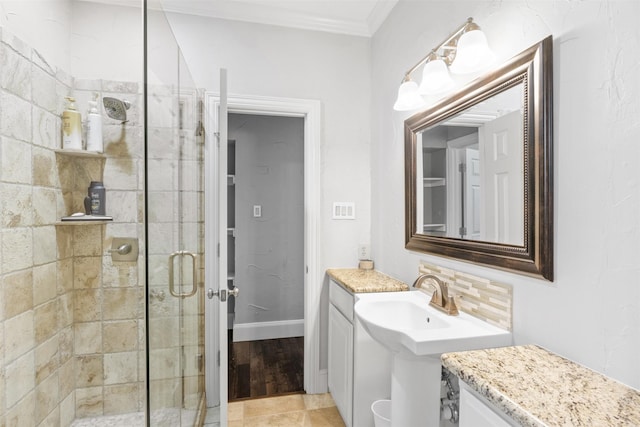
[472, 53]
[435, 78]
[408, 97]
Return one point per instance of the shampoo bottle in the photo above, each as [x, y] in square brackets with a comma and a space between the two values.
[71, 127]
[96, 200]
[94, 127]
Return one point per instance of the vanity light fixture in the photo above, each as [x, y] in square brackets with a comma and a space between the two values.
[465, 51]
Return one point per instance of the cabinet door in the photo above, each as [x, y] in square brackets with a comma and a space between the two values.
[475, 413]
[341, 363]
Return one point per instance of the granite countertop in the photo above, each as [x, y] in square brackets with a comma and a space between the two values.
[356, 280]
[538, 388]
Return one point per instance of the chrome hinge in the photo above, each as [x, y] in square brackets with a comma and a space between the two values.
[463, 231]
[462, 167]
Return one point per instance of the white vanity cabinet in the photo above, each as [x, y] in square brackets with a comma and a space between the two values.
[359, 368]
[476, 411]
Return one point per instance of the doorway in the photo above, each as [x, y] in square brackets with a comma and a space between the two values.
[315, 376]
[265, 254]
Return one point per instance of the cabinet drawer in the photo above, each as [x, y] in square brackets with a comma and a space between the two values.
[341, 299]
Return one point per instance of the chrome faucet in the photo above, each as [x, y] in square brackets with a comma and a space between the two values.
[440, 298]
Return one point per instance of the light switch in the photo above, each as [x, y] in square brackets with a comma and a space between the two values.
[257, 211]
[344, 210]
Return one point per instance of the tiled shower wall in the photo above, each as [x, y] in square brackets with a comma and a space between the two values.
[71, 321]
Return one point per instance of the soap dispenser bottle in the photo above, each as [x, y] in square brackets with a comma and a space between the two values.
[71, 126]
[94, 127]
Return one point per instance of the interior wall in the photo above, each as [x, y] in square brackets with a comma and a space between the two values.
[42, 24]
[89, 40]
[591, 312]
[273, 61]
[269, 251]
[106, 41]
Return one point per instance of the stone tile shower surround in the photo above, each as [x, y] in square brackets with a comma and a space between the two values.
[485, 299]
[71, 321]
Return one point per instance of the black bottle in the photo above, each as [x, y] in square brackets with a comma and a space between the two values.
[96, 202]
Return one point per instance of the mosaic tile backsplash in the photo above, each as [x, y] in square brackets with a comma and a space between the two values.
[485, 299]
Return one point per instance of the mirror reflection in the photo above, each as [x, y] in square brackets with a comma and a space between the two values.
[497, 209]
[470, 172]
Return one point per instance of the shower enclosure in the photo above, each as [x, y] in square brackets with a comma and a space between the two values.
[174, 188]
[88, 338]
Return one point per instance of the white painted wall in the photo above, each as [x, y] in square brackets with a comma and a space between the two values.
[42, 24]
[107, 42]
[274, 61]
[84, 39]
[591, 313]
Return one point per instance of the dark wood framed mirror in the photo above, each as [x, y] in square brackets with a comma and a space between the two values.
[478, 169]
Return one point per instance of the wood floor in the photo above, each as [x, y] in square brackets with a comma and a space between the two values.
[266, 368]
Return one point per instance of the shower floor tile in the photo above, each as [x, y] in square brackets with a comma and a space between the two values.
[166, 417]
[124, 420]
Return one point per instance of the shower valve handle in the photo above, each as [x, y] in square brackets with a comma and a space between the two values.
[122, 249]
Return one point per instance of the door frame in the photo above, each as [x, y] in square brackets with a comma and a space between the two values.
[315, 379]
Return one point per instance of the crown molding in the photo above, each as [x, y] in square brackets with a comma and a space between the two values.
[264, 13]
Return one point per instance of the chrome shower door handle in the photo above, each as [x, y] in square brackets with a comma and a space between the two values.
[194, 286]
[211, 293]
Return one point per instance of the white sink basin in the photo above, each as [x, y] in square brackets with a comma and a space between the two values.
[404, 322]
[417, 334]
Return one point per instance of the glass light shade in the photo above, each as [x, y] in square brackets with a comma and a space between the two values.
[408, 97]
[435, 78]
[472, 53]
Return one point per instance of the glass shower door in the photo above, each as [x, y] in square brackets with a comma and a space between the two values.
[174, 184]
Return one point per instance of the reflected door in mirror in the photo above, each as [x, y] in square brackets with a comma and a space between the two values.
[472, 176]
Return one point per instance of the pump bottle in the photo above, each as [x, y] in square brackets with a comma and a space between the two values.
[71, 126]
[94, 127]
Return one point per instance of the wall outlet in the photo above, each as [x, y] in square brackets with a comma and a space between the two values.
[364, 251]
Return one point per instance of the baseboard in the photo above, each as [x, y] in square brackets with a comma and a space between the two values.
[323, 381]
[268, 330]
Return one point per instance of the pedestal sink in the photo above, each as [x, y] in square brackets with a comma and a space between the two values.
[417, 335]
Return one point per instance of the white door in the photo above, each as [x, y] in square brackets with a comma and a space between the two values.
[472, 194]
[502, 214]
[216, 282]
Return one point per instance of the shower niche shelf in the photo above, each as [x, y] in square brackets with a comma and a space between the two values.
[77, 154]
[80, 153]
[75, 223]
